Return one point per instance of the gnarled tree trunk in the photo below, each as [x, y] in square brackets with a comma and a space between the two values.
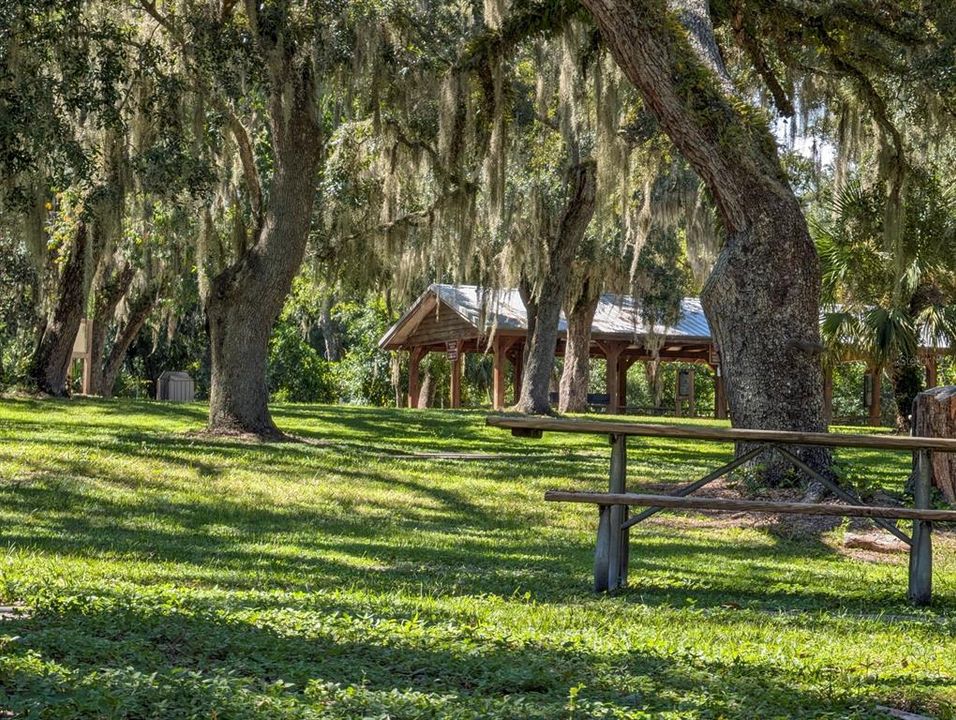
[576, 374]
[548, 297]
[51, 359]
[330, 332]
[246, 298]
[108, 292]
[762, 298]
[139, 311]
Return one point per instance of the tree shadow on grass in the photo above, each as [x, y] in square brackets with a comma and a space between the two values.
[445, 658]
[445, 542]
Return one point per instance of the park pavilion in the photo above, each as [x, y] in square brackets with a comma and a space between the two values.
[460, 319]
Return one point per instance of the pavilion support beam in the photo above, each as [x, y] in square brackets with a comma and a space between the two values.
[499, 380]
[456, 368]
[87, 375]
[414, 375]
[624, 365]
[517, 365]
[932, 370]
[612, 356]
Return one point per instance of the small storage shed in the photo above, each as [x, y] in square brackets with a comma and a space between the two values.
[175, 386]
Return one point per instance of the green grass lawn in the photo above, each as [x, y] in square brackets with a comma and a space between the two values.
[163, 575]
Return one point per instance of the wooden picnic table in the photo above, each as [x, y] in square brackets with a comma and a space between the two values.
[613, 536]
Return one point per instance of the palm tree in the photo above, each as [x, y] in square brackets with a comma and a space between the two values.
[886, 301]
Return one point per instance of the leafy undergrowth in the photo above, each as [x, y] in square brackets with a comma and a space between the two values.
[151, 573]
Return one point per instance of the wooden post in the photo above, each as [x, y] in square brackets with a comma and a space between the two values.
[624, 364]
[921, 550]
[517, 364]
[498, 374]
[613, 547]
[456, 367]
[612, 353]
[414, 378]
[87, 372]
[617, 514]
[932, 376]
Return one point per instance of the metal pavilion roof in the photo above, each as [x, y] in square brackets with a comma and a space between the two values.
[485, 309]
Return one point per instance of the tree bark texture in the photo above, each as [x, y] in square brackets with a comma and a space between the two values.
[427, 389]
[576, 374]
[906, 374]
[139, 311]
[330, 332]
[107, 294]
[935, 416]
[246, 298]
[762, 297]
[51, 359]
[551, 290]
[655, 382]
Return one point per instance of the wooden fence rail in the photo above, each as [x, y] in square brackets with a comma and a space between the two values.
[613, 538]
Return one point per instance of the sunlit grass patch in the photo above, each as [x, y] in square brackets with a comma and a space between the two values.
[173, 576]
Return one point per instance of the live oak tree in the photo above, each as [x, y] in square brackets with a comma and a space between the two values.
[281, 77]
[762, 298]
[85, 72]
[63, 126]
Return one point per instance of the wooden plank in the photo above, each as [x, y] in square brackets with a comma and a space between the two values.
[717, 434]
[706, 503]
[921, 551]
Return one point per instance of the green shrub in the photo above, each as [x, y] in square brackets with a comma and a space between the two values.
[297, 373]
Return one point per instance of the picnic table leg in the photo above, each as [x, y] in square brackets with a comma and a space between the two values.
[617, 555]
[611, 551]
[921, 549]
[602, 549]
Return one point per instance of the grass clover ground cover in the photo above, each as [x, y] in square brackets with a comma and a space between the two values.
[171, 576]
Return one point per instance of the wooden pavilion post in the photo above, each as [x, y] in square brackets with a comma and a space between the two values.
[720, 410]
[456, 368]
[517, 363]
[624, 365]
[692, 399]
[500, 348]
[932, 373]
[414, 377]
[612, 354]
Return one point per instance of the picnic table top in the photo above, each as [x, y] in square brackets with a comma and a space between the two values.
[525, 423]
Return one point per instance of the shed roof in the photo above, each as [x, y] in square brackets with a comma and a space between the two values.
[617, 316]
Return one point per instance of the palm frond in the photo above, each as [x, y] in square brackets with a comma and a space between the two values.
[891, 333]
[937, 325]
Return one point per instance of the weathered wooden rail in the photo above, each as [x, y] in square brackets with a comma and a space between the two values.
[613, 537]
